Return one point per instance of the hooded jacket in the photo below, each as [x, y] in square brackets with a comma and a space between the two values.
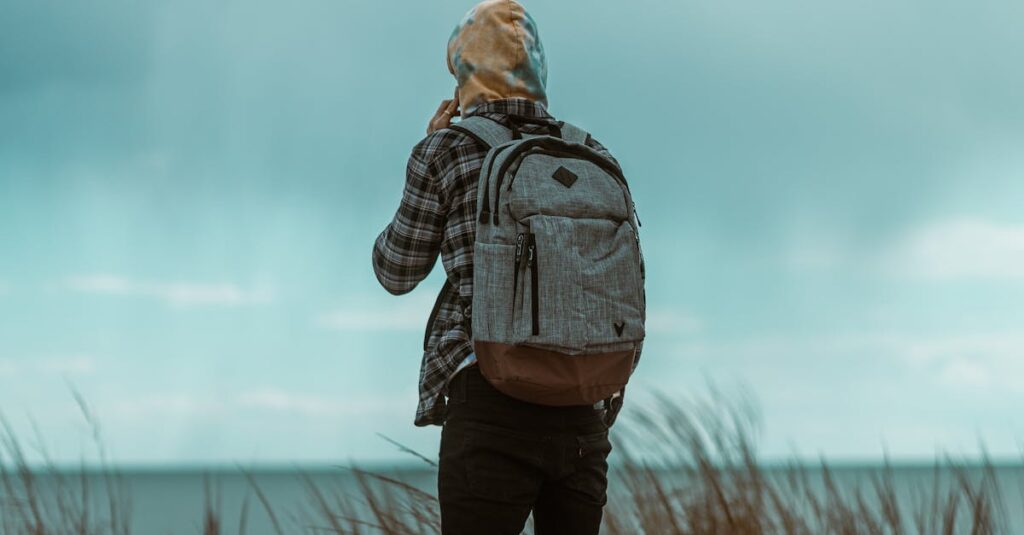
[498, 59]
[495, 53]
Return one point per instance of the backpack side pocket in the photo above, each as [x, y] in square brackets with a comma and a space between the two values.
[493, 289]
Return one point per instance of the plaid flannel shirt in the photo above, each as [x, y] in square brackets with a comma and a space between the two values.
[437, 215]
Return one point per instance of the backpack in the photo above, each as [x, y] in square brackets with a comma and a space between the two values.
[559, 304]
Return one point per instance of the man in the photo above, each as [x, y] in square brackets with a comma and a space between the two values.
[500, 458]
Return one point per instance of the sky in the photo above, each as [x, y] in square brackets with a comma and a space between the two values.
[830, 194]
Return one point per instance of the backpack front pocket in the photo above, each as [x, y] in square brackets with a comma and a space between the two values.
[612, 284]
[493, 291]
[550, 316]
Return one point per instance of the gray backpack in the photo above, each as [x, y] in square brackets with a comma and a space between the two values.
[558, 278]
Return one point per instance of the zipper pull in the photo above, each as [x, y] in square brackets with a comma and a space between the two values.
[636, 215]
[529, 255]
[519, 247]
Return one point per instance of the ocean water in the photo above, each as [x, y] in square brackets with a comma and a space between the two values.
[171, 501]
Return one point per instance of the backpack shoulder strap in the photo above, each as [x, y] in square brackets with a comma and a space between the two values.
[573, 133]
[485, 131]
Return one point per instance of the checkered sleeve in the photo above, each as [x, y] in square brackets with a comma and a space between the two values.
[407, 249]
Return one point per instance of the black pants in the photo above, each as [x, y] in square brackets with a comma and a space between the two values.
[502, 458]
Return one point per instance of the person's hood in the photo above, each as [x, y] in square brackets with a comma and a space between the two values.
[496, 53]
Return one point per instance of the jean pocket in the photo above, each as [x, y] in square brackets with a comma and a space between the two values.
[590, 474]
[502, 464]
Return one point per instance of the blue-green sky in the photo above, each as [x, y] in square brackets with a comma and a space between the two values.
[831, 196]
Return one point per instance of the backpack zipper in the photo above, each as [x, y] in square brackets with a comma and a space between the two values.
[573, 155]
[549, 152]
[515, 277]
[486, 174]
[531, 262]
[549, 146]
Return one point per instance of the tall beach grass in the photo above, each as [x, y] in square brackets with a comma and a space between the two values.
[677, 468]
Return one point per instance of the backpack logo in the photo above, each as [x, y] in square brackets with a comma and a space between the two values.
[618, 328]
[565, 176]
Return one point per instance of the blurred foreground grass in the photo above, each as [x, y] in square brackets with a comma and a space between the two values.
[678, 468]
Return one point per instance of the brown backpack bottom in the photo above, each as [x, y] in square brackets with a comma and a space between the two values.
[551, 378]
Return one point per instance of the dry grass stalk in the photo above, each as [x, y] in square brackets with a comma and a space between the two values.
[683, 468]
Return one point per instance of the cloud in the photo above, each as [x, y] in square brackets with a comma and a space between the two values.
[260, 401]
[818, 249]
[672, 321]
[993, 361]
[927, 350]
[177, 404]
[954, 249]
[387, 314]
[74, 364]
[279, 400]
[62, 365]
[962, 248]
[171, 293]
[8, 368]
[966, 373]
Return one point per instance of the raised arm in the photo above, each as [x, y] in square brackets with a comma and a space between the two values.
[407, 249]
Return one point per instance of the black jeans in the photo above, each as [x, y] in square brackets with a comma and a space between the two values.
[502, 458]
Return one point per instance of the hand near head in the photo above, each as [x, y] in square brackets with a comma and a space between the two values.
[443, 116]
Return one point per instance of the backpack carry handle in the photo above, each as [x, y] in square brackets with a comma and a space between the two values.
[560, 129]
[490, 133]
[516, 122]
